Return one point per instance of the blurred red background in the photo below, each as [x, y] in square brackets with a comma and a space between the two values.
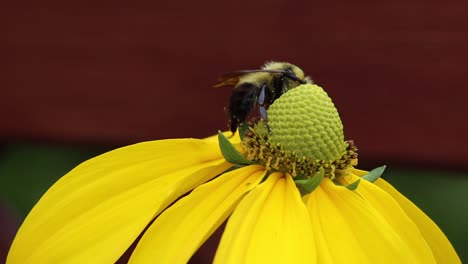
[114, 73]
[120, 73]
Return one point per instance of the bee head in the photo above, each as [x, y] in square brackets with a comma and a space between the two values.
[290, 71]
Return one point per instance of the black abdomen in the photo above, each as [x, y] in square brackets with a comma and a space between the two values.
[241, 103]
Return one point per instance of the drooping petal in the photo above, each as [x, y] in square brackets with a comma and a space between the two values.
[354, 231]
[180, 230]
[440, 245]
[395, 217]
[270, 225]
[95, 212]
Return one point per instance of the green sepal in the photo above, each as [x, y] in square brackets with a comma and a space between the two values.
[244, 127]
[353, 186]
[374, 174]
[311, 183]
[230, 153]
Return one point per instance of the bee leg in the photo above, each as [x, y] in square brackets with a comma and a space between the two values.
[263, 116]
[262, 95]
[233, 126]
[262, 103]
[263, 113]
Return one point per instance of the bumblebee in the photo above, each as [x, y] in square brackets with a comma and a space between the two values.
[255, 90]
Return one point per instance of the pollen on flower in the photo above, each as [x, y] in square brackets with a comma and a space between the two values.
[275, 158]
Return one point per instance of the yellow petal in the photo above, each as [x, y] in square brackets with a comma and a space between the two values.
[98, 209]
[359, 172]
[440, 245]
[349, 229]
[180, 230]
[397, 218]
[270, 225]
[234, 138]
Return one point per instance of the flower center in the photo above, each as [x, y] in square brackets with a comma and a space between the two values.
[303, 135]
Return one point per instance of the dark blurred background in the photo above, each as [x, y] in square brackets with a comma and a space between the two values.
[77, 80]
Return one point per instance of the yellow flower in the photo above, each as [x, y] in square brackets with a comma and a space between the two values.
[282, 207]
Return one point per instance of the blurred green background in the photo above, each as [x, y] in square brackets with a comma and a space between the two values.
[27, 171]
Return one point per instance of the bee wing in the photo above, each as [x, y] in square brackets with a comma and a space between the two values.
[227, 80]
[232, 78]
